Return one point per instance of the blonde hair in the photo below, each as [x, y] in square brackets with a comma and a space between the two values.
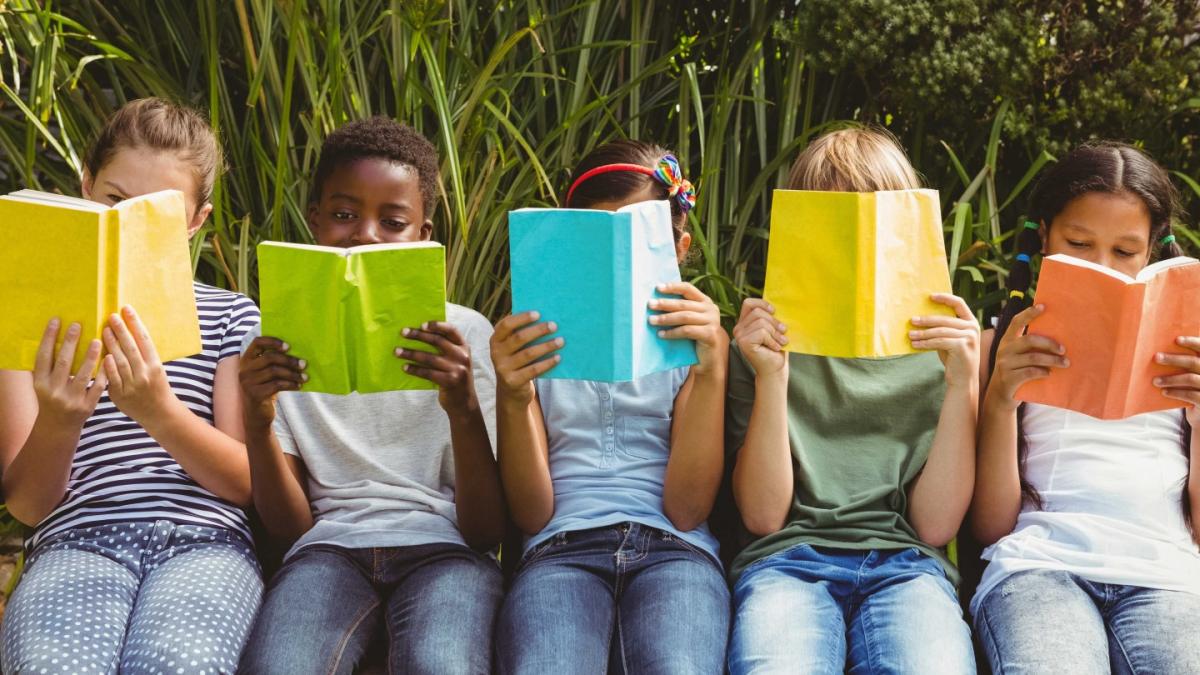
[161, 125]
[855, 159]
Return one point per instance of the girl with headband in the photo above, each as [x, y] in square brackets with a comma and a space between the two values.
[1094, 563]
[612, 483]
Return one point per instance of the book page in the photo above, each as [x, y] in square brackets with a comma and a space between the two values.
[39, 197]
[652, 262]
[1169, 311]
[154, 272]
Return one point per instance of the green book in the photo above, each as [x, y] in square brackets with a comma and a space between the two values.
[342, 309]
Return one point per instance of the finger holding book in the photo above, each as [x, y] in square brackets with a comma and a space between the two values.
[1022, 357]
[138, 383]
[449, 367]
[693, 316]
[70, 399]
[956, 338]
[1184, 386]
[517, 361]
[263, 371]
[761, 337]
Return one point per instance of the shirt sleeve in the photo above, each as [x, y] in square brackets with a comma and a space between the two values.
[484, 373]
[239, 320]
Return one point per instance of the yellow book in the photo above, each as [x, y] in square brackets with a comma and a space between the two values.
[82, 261]
[847, 271]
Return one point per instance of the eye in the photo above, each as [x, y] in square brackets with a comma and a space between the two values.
[394, 224]
[1121, 253]
[1077, 244]
[113, 198]
[343, 215]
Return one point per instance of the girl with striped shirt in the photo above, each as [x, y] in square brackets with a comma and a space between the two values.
[141, 557]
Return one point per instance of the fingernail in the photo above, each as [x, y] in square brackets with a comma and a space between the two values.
[285, 346]
[662, 333]
[535, 315]
[783, 326]
[557, 358]
[653, 318]
[916, 320]
[1040, 307]
[1158, 381]
[405, 332]
[559, 341]
[1066, 362]
[54, 322]
[553, 326]
[74, 328]
[1160, 357]
[406, 367]
[303, 364]
[398, 352]
[304, 377]
[770, 308]
[912, 333]
[425, 326]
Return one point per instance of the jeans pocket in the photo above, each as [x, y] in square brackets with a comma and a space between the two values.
[543, 548]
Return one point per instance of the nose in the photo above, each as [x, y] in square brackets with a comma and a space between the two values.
[367, 233]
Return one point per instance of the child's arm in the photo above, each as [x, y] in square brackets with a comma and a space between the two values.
[1019, 359]
[941, 493]
[277, 478]
[763, 480]
[478, 496]
[41, 418]
[1186, 387]
[520, 429]
[697, 427]
[213, 456]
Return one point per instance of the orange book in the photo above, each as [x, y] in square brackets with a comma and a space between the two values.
[1112, 325]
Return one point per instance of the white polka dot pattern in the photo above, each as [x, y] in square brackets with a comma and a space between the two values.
[133, 598]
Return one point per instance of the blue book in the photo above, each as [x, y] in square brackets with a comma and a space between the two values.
[592, 273]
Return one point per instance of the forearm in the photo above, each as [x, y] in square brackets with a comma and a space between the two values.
[942, 492]
[278, 496]
[36, 480]
[997, 499]
[762, 478]
[478, 495]
[697, 452]
[212, 458]
[524, 464]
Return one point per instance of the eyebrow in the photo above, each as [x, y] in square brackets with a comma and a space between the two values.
[343, 195]
[1084, 230]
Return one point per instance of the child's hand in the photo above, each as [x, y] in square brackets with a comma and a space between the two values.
[1021, 358]
[1184, 386]
[692, 317]
[137, 382]
[66, 399]
[517, 362]
[761, 338]
[449, 368]
[264, 371]
[956, 339]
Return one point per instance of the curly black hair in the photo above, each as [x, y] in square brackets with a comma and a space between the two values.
[383, 138]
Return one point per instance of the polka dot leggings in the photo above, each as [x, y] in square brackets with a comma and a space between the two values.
[133, 598]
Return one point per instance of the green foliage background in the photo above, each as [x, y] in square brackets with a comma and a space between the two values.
[983, 93]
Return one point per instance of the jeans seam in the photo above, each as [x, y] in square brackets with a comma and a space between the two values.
[1121, 647]
[987, 628]
[341, 648]
[864, 616]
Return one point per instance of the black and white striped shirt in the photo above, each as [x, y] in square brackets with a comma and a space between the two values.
[121, 475]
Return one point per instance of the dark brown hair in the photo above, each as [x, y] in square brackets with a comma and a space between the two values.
[617, 185]
[161, 125]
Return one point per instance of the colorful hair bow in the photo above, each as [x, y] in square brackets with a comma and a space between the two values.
[681, 190]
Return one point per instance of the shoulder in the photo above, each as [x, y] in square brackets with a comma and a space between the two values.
[210, 300]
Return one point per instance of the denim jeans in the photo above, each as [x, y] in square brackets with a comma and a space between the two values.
[625, 598]
[133, 598]
[1046, 621]
[819, 610]
[437, 601]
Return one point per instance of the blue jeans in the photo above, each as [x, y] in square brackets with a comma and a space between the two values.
[1054, 622]
[134, 598]
[819, 610]
[625, 598]
[437, 601]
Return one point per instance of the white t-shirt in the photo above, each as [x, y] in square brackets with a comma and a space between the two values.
[1112, 494]
[380, 466]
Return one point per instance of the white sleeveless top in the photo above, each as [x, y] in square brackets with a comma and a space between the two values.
[1112, 493]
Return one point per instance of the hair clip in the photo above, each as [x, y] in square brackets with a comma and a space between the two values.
[1030, 225]
[1023, 257]
[1016, 294]
[1169, 239]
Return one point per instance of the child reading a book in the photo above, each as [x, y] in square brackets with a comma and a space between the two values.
[1093, 557]
[851, 473]
[392, 499]
[135, 482]
[612, 482]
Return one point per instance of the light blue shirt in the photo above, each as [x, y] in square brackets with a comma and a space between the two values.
[608, 446]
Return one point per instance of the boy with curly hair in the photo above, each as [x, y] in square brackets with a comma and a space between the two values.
[392, 499]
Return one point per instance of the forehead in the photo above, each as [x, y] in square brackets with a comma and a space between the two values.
[141, 170]
[1116, 216]
[376, 177]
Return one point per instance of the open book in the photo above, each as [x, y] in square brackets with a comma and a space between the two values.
[1112, 326]
[847, 271]
[342, 309]
[593, 272]
[82, 261]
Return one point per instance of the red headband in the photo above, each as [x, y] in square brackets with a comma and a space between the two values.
[607, 168]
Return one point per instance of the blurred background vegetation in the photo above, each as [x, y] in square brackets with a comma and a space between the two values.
[983, 93]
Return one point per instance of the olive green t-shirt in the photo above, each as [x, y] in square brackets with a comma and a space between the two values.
[860, 432]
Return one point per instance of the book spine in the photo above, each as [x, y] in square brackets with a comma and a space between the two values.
[1119, 396]
[625, 363]
[109, 268]
[866, 324]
